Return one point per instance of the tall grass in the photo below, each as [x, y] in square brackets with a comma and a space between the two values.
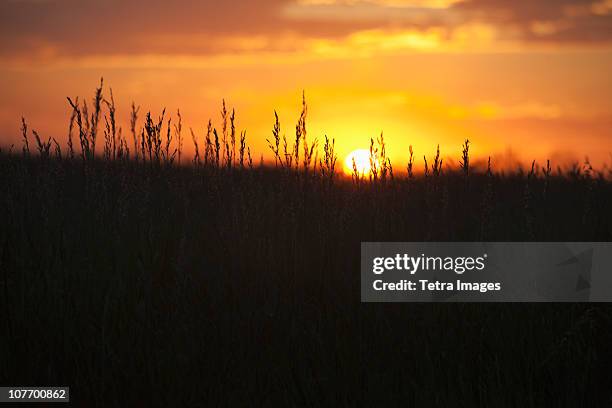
[141, 282]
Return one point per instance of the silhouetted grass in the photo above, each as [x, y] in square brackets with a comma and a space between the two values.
[139, 282]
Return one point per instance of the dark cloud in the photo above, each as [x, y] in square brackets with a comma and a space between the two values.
[81, 27]
[77, 26]
[580, 21]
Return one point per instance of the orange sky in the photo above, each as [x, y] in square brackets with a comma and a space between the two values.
[521, 81]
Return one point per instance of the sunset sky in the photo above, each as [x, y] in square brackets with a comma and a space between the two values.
[520, 79]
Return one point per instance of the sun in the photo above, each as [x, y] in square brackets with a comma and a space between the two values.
[358, 159]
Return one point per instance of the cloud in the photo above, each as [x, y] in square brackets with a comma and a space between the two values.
[492, 110]
[543, 21]
[48, 29]
[433, 4]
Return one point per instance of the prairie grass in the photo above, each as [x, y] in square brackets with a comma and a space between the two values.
[141, 282]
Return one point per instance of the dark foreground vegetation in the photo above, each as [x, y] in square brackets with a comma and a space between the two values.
[138, 282]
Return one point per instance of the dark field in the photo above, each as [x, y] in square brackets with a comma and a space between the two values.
[144, 283]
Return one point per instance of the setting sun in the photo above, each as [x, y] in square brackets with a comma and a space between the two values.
[361, 158]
